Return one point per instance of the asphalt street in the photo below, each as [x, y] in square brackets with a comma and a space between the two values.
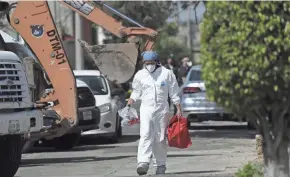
[219, 149]
[215, 152]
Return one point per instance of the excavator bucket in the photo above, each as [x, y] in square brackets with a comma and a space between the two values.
[116, 61]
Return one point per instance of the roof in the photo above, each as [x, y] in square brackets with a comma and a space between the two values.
[87, 73]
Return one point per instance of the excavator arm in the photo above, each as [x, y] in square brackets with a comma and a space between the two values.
[116, 61]
[89, 10]
[34, 22]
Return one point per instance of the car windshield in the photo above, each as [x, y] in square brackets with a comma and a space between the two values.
[195, 75]
[96, 83]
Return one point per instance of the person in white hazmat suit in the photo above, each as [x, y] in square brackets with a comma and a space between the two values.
[152, 85]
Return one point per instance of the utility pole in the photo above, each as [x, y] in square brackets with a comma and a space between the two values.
[74, 22]
[79, 58]
[177, 16]
[101, 36]
[190, 35]
[55, 10]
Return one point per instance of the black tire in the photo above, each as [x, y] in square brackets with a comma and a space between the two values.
[250, 126]
[10, 154]
[227, 117]
[188, 123]
[243, 119]
[67, 142]
[118, 132]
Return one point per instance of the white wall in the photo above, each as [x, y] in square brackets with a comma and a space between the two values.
[62, 16]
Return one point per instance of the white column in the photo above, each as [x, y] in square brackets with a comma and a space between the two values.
[101, 35]
[78, 35]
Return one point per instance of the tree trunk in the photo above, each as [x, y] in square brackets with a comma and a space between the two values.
[276, 161]
[259, 147]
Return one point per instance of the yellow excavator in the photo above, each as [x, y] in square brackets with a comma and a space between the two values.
[34, 22]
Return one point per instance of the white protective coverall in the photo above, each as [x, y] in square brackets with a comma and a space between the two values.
[153, 89]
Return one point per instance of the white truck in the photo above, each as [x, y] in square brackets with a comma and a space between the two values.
[88, 112]
[22, 81]
[18, 117]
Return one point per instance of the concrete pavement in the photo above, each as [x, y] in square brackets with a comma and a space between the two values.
[213, 153]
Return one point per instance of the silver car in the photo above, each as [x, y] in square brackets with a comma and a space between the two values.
[194, 102]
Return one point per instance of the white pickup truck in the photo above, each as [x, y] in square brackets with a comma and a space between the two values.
[21, 82]
[18, 117]
[88, 116]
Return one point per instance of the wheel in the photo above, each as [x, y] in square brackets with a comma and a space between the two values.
[243, 119]
[67, 142]
[227, 117]
[118, 132]
[10, 154]
[250, 126]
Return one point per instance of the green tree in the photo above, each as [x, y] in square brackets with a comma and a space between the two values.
[167, 43]
[151, 14]
[245, 57]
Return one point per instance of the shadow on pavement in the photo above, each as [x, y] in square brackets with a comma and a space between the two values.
[43, 162]
[190, 155]
[47, 161]
[195, 172]
[90, 147]
[232, 134]
[88, 144]
[75, 149]
[206, 126]
[101, 140]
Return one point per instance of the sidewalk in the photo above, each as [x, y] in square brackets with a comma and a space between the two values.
[216, 153]
[208, 156]
[191, 164]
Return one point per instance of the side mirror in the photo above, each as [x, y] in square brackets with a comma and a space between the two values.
[117, 91]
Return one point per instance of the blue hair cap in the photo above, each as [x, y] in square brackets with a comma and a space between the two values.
[149, 56]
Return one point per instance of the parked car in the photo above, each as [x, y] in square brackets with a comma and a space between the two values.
[89, 118]
[109, 98]
[195, 105]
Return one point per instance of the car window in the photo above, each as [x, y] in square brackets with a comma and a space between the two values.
[195, 75]
[96, 83]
